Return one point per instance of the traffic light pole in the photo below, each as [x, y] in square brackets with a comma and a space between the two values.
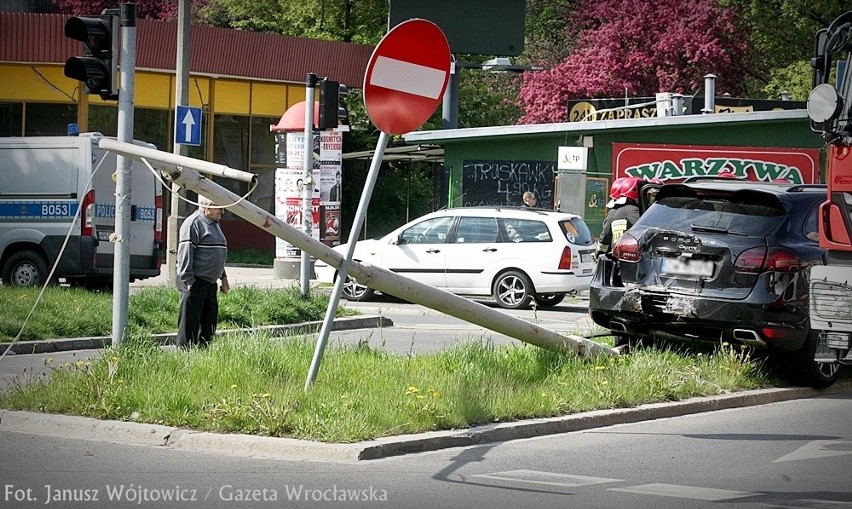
[182, 99]
[121, 239]
[308, 179]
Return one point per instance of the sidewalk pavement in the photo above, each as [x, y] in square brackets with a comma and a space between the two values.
[238, 275]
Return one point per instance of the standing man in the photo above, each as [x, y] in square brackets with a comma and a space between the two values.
[529, 200]
[202, 250]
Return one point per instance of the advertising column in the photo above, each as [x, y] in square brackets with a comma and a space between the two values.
[289, 181]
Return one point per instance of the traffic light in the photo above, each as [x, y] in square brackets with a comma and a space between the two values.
[98, 67]
[330, 111]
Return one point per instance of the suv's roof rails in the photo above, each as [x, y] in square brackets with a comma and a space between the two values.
[699, 178]
[806, 187]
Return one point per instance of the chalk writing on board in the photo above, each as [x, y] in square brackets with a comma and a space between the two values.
[505, 182]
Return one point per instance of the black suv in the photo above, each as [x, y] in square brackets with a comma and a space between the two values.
[718, 260]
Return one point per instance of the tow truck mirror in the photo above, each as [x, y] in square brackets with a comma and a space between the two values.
[825, 104]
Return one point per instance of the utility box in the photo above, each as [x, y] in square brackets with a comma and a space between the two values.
[571, 164]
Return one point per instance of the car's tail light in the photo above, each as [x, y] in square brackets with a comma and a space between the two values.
[565, 260]
[758, 259]
[782, 260]
[158, 218]
[87, 217]
[626, 249]
[775, 332]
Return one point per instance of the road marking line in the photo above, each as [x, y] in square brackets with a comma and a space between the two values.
[693, 492]
[818, 449]
[547, 478]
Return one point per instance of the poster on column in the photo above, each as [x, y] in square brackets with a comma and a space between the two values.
[330, 227]
[331, 152]
[287, 183]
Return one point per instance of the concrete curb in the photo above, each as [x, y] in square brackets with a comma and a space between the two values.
[292, 449]
[88, 343]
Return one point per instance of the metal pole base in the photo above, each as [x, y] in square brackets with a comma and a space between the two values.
[290, 268]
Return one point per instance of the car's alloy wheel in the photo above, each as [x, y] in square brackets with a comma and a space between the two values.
[24, 268]
[513, 290]
[546, 300]
[354, 291]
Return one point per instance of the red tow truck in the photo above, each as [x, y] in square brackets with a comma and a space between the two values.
[830, 112]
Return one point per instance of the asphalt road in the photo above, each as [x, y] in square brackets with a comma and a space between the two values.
[792, 454]
[417, 329]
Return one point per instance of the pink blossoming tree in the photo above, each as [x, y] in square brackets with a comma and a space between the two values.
[638, 48]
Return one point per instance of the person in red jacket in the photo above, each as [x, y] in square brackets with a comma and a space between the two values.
[622, 214]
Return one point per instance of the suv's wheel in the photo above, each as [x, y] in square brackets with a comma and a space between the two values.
[513, 290]
[546, 300]
[25, 268]
[817, 375]
[354, 291]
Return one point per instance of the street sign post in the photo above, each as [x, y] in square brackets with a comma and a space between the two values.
[405, 81]
[188, 126]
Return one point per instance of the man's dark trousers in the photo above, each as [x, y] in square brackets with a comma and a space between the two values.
[199, 310]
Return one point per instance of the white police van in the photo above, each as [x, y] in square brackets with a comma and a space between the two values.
[44, 180]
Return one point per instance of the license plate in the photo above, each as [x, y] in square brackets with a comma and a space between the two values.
[687, 267]
[587, 257]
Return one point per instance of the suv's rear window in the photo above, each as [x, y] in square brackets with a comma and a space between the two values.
[693, 213]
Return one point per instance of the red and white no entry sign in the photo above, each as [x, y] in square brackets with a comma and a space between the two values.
[406, 77]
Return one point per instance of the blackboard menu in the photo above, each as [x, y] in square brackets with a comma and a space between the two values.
[504, 182]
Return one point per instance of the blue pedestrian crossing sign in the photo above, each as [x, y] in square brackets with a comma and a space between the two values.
[188, 125]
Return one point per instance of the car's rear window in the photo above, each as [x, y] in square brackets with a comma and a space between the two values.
[714, 214]
[577, 232]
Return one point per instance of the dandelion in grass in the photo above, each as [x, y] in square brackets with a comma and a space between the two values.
[112, 367]
[233, 386]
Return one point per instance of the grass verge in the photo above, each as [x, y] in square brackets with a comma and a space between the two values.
[73, 312]
[251, 257]
[253, 384]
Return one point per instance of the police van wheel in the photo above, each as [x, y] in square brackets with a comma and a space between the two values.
[25, 268]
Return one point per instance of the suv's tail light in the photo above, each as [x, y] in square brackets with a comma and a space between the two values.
[87, 215]
[758, 259]
[626, 249]
[770, 332]
[565, 260]
[158, 218]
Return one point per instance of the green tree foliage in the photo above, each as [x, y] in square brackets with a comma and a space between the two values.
[363, 22]
[781, 33]
[545, 41]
